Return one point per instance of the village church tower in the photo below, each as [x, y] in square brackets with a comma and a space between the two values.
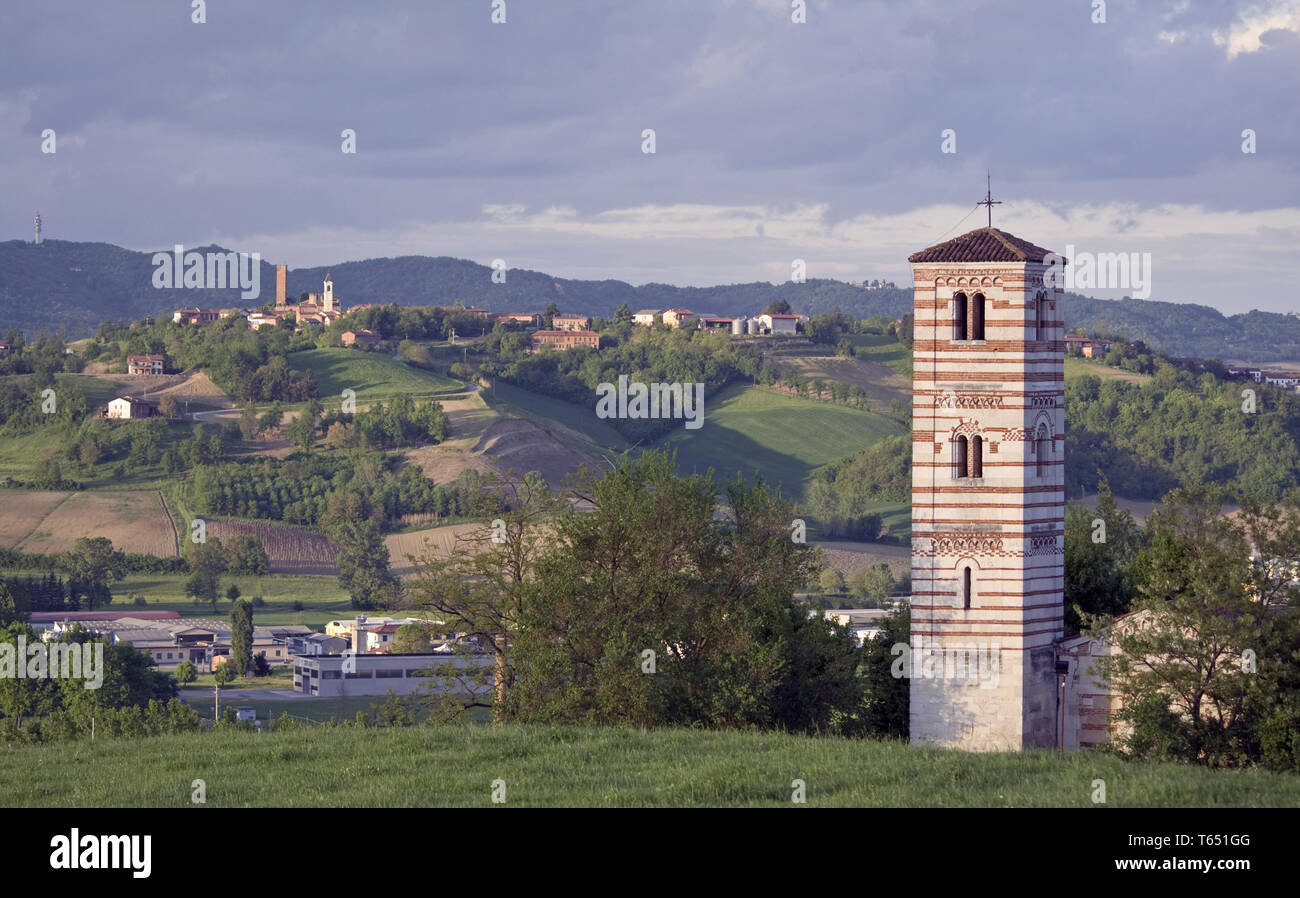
[988, 493]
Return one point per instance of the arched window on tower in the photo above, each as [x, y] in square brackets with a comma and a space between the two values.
[977, 317]
[965, 588]
[1040, 317]
[959, 458]
[959, 316]
[1041, 448]
[976, 456]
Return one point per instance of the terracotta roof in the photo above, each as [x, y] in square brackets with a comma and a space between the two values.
[982, 245]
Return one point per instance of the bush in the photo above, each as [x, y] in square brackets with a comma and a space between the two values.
[297, 605]
[138, 601]
[258, 601]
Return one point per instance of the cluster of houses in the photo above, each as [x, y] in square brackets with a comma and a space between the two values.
[569, 331]
[352, 657]
[167, 638]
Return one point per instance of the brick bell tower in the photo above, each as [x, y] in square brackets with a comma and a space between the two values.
[988, 494]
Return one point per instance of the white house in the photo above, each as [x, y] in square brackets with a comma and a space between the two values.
[125, 407]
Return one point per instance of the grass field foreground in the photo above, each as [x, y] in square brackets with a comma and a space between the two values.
[554, 766]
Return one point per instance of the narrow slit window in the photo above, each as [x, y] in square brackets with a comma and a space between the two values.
[965, 589]
[977, 317]
[1040, 451]
[1040, 317]
[976, 456]
[959, 317]
[959, 458]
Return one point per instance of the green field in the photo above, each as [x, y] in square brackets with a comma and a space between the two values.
[554, 766]
[323, 598]
[20, 454]
[539, 409]
[372, 375]
[748, 429]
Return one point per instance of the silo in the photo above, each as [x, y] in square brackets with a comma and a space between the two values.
[737, 326]
[751, 325]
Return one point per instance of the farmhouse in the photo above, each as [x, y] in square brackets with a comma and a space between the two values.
[715, 322]
[561, 340]
[144, 364]
[125, 407]
[679, 318]
[778, 324]
[647, 317]
[363, 338]
[570, 322]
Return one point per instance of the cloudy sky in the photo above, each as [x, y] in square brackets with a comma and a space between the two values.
[774, 140]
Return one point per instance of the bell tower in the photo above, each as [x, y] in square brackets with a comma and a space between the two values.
[988, 494]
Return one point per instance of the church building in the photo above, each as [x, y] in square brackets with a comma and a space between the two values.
[988, 495]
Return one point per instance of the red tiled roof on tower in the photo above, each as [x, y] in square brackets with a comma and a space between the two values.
[982, 245]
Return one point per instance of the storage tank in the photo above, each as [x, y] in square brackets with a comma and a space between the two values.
[751, 326]
[737, 325]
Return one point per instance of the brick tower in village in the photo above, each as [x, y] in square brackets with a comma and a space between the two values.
[988, 494]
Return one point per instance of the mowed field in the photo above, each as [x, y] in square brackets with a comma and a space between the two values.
[289, 550]
[881, 383]
[748, 429]
[1078, 367]
[43, 522]
[372, 375]
[421, 543]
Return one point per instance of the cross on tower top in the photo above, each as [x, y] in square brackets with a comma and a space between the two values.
[988, 199]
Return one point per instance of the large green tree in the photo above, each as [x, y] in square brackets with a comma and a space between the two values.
[207, 563]
[1101, 545]
[479, 588]
[651, 609]
[363, 564]
[1203, 668]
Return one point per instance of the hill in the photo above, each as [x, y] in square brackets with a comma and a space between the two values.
[454, 766]
[75, 286]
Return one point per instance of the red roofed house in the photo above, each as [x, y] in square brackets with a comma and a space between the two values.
[368, 339]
